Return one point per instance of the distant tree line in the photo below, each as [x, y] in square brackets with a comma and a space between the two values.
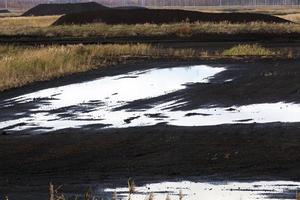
[26, 4]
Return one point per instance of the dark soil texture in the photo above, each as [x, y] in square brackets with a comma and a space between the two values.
[169, 40]
[130, 7]
[92, 154]
[160, 16]
[4, 11]
[61, 9]
[265, 151]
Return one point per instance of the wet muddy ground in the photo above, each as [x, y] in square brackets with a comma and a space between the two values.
[78, 158]
[245, 149]
[181, 94]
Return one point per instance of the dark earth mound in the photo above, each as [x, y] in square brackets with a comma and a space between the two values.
[61, 9]
[130, 8]
[4, 11]
[159, 16]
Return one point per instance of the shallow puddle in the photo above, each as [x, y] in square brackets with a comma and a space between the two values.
[99, 102]
[213, 190]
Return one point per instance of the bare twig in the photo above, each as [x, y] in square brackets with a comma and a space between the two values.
[131, 185]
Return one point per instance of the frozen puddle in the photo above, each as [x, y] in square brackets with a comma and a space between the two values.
[95, 102]
[213, 190]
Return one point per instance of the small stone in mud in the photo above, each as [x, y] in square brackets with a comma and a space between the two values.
[193, 114]
[227, 155]
[243, 120]
[231, 109]
[128, 120]
[267, 74]
[156, 115]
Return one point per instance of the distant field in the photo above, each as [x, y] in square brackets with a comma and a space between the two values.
[291, 13]
[41, 26]
[291, 17]
[26, 22]
[11, 13]
[272, 10]
[13, 21]
[40, 29]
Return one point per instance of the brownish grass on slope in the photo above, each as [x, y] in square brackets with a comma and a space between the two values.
[22, 65]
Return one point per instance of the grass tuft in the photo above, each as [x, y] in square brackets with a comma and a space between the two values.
[114, 196]
[20, 66]
[180, 195]
[54, 193]
[168, 197]
[248, 50]
[150, 196]
[131, 185]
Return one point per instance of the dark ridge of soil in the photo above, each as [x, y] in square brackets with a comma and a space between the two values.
[61, 9]
[159, 16]
[130, 8]
[4, 11]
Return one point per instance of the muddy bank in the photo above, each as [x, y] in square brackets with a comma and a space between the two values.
[169, 39]
[266, 151]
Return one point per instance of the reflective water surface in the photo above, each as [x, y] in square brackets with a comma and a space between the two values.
[212, 190]
[100, 102]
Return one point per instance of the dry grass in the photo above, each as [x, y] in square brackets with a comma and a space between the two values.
[40, 26]
[297, 195]
[55, 194]
[114, 196]
[180, 195]
[150, 196]
[168, 197]
[249, 50]
[22, 65]
[131, 185]
[292, 17]
[272, 10]
[12, 23]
